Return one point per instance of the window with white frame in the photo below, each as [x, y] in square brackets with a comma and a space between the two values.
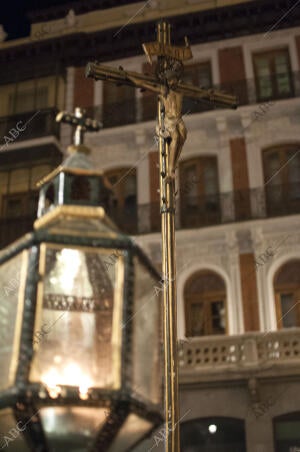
[273, 76]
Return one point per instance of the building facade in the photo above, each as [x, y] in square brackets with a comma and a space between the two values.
[238, 190]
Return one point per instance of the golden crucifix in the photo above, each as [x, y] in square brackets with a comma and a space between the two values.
[172, 134]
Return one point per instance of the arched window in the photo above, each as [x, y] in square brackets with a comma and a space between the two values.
[287, 432]
[199, 192]
[287, 294]
[124, 209]
[282, 179]
[205, 304]
[213, 434]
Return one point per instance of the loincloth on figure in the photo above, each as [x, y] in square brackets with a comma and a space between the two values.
[171, 124]
[176, 125]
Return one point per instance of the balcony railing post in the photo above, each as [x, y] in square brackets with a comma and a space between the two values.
[250, 352]
[227, 207]
[258, 202]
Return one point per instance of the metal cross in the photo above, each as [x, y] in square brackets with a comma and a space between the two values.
[172, 135]
[81, 121]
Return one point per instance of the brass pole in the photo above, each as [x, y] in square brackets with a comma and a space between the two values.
[167, 55]
[167, 207]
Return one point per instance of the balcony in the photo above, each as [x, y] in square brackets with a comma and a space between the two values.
[36, 124]
[248, 92]
[197, 212]
[220, 358]
[222, 208]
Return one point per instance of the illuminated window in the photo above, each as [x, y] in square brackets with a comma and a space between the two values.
[31, 95]
[205, 304]
[28, 99]
[282, 178]
[287, 294]
[199, 191]
[273, 74]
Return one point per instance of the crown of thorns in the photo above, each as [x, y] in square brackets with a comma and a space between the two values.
[170, 69]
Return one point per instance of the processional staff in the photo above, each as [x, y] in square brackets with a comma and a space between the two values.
[172, 134]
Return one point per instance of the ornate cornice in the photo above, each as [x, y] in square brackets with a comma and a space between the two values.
[202, 26]
[79, 7]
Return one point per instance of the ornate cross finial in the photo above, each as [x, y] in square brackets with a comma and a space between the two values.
[170, 58]
[81, 121]
[163, 47]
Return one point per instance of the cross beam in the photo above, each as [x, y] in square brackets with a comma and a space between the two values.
[82, 123]
[172, 135]
[130, 78]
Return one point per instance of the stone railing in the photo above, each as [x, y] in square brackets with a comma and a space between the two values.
[223, 354]
[222, 208]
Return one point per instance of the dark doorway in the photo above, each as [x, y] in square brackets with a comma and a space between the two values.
[287, 432]
[215, 434]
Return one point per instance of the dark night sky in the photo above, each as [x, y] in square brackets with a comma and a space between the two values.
[13, 14]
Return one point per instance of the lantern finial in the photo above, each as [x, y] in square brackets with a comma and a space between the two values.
[75, 181]
[83, 124]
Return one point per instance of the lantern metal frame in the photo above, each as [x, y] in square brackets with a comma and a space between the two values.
[24, 397]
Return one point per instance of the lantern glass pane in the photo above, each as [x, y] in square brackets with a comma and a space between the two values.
[71, 428]
[11, 311]
[77, 339]
[146, 323]
[132, 431]
[11, 433]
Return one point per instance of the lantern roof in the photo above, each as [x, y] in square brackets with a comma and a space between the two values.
[76, 170]
[75, 182]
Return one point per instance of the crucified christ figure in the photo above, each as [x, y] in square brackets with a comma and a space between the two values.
[168, 85]
[174, 127]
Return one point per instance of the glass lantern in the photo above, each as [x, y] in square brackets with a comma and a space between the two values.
[80, 339]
